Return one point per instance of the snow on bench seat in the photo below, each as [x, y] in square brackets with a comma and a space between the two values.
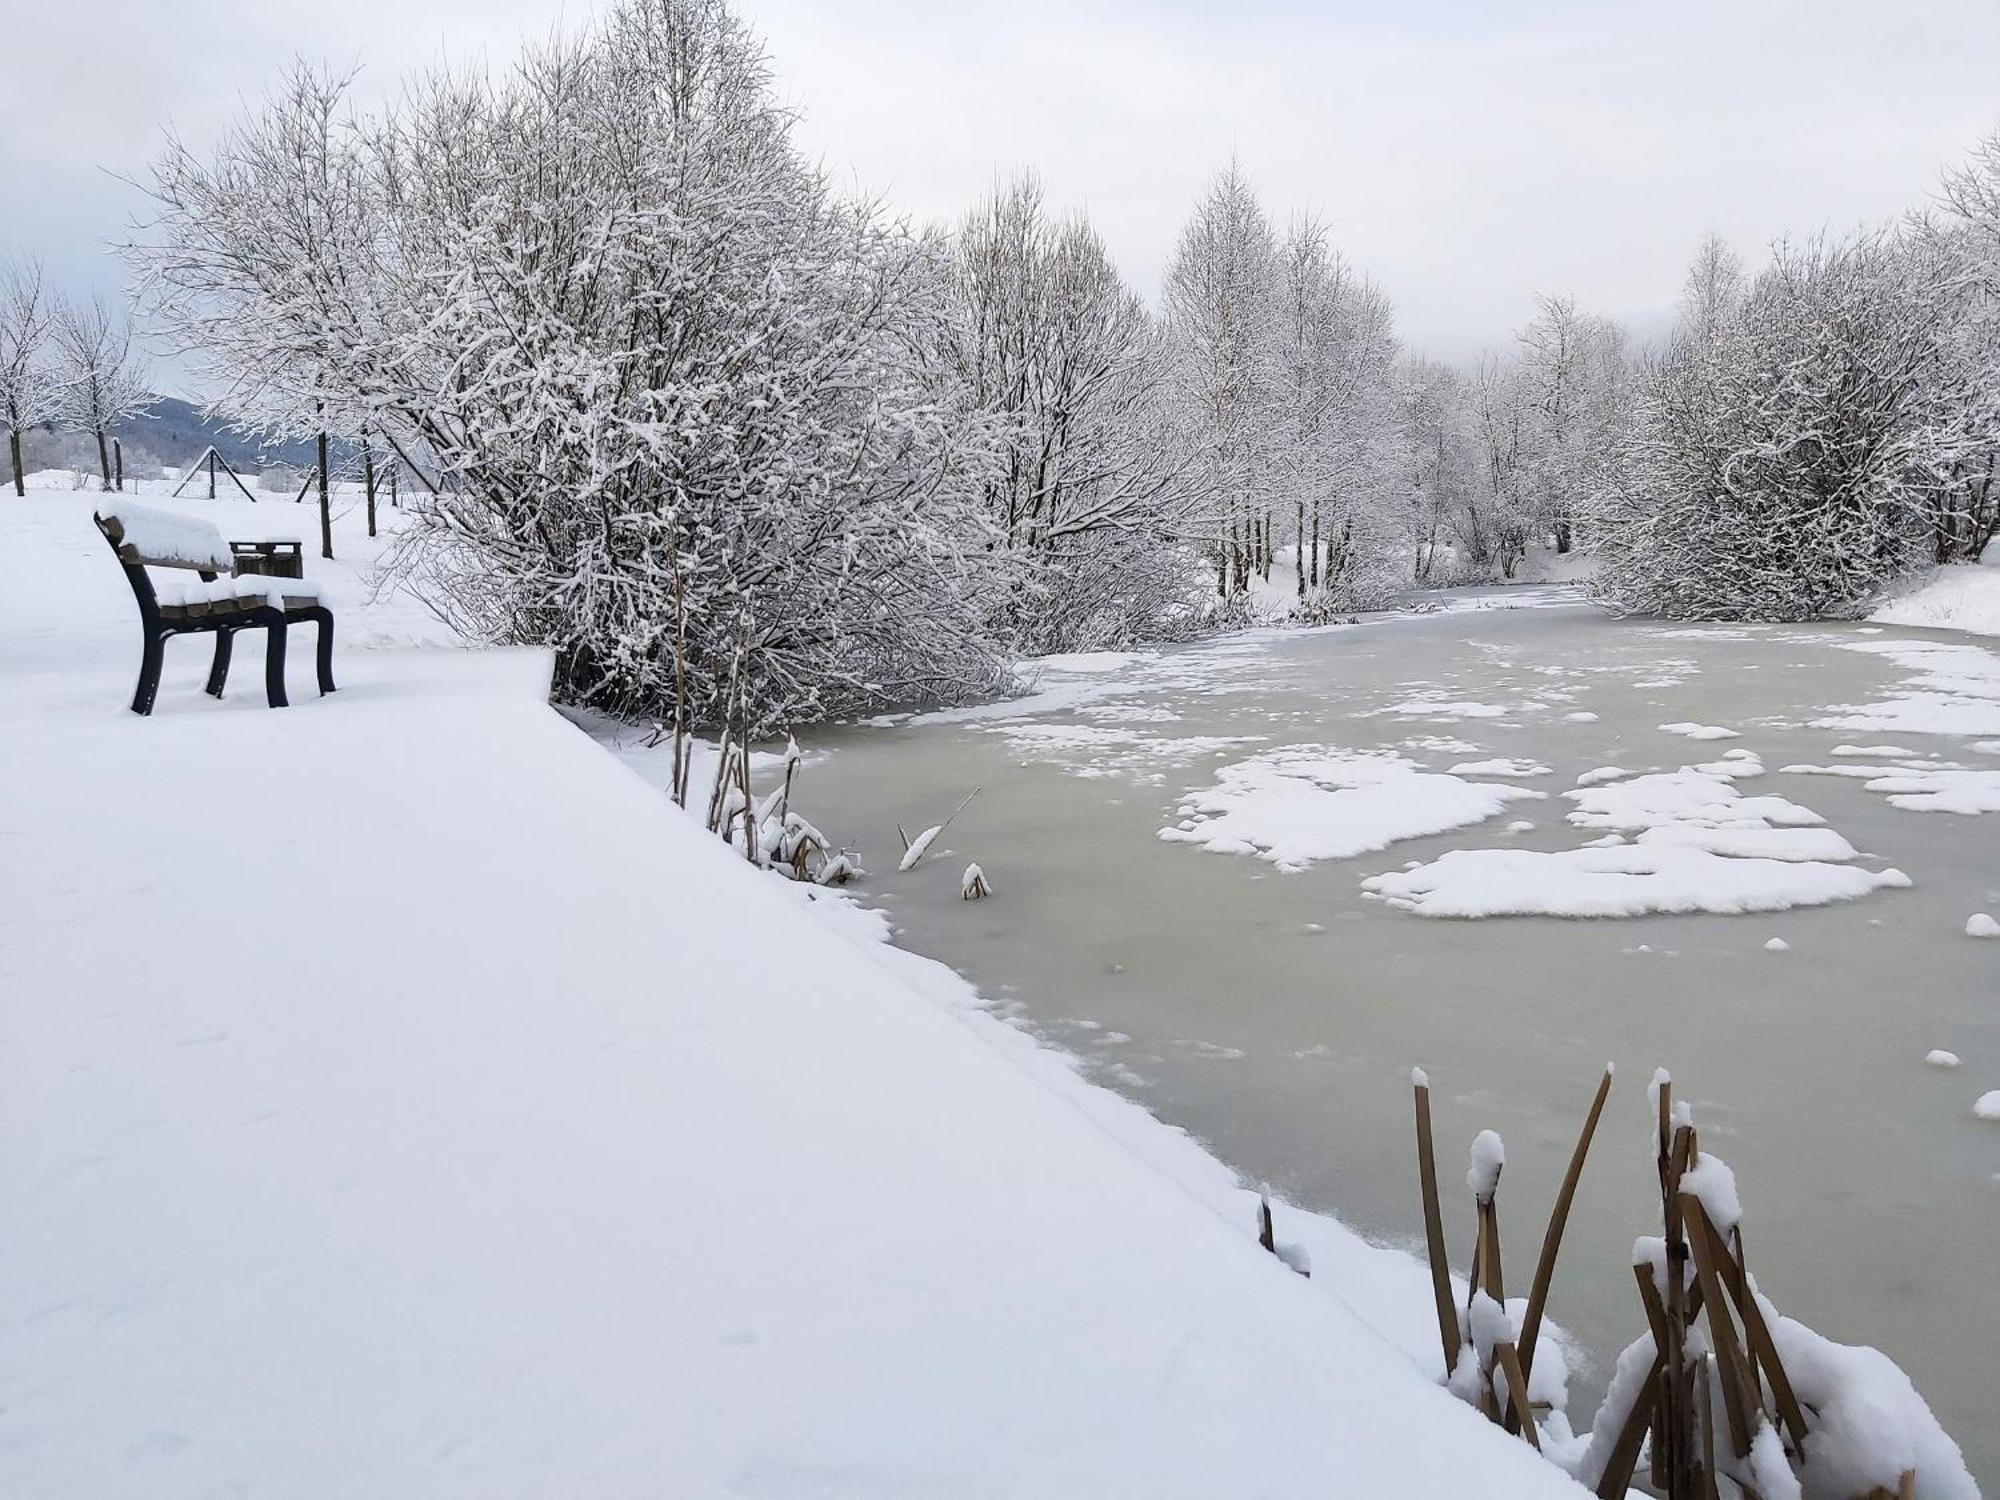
[196, 597]
[162, 539]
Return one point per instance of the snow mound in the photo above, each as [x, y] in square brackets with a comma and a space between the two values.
[1869, 1425]
[1987, 1105]
[1629, 880]
[1696, 731]
[1937, 1057]
[1981, 925]
[1309, 803]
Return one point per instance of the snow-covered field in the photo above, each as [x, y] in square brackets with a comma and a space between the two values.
[401, 1099]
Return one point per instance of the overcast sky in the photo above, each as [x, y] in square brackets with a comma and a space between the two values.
[1468, 154]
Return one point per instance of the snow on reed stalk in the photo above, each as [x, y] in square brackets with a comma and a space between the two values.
[1725, 1394]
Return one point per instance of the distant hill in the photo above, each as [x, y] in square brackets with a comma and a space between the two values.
[175, 433]
[179, 434]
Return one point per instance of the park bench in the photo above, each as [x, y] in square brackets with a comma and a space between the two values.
[228, 598]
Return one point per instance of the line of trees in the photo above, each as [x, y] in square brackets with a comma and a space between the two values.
[744, 449]
[64, 364]
[741, 448]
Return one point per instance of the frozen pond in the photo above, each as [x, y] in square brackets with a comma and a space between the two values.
[1235, 978]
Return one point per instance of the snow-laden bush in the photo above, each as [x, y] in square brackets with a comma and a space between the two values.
[1797, 440]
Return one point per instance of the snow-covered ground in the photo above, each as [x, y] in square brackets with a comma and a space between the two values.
[1965, 597]
[401, 1099]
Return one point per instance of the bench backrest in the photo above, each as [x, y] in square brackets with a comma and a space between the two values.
[147, 538]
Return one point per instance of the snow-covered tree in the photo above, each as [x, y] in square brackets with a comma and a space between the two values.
[1091, 498]
[1966, 233]
[30, 393]
[1793, 451]
[1502, 502]
[1221, 300]
[101, 382]
[1443, 505]
[670, 390]
[1334, 442]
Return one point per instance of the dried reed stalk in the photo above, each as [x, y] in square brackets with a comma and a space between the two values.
[1508, 1360]
[1434, 1229]
[1545, 1268]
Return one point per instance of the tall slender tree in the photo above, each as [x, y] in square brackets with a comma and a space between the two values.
[102, 382]
[1221, 298]
[30, 391]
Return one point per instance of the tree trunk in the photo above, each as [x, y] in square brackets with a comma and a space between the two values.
[368, 478]
[104, 459]
[14, 445]
[1562, 534]
[1299, 548]
[118, 463]
[325, 506]
[1315, 545]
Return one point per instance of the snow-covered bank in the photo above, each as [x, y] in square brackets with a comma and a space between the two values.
[401, 1099]
[1964, 597]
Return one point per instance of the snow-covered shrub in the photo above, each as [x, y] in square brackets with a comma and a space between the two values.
[1795, 442]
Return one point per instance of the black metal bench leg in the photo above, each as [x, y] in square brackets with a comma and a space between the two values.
[324, 657]
[149, 673]
[218, 672]
[274, 665]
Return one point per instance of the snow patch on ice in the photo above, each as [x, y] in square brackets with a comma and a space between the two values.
[1952, 689]
[1308, 803]
[1628, 881]
[1696, 731]
[1501, 766]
